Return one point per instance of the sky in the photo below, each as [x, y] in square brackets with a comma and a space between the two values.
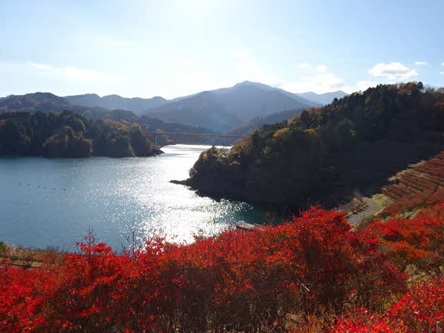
[172, 48]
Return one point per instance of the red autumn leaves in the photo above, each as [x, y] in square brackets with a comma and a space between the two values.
[312, 272]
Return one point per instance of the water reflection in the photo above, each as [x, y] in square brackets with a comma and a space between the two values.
[53, 203]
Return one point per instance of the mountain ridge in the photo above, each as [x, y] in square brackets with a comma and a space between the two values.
[113, 102]
[227, 108]
[220, 109]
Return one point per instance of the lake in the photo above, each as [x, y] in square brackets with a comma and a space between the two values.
[54, 203]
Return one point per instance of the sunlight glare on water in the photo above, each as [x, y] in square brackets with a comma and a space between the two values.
[55, 202]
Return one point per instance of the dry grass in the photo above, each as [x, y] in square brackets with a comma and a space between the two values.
[26, 257]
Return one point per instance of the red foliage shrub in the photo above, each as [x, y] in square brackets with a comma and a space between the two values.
[363, 321]
[420, 310]
[21, 300]
[239, 281]
[418, 242]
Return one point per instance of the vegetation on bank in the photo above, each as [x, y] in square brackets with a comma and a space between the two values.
[65, 134]
[325, 154]
[22, 256]
[310, 274]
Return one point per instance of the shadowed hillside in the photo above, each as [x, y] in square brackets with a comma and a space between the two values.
[325, 154]
[276, 117]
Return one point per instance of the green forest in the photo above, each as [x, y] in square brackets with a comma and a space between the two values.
[66, 134]
[326, 154]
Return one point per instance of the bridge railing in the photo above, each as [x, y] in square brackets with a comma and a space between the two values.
[195, 135]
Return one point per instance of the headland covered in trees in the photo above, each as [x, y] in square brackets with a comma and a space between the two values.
[326, 154]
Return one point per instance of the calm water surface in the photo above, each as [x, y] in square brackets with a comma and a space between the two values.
[55, 202]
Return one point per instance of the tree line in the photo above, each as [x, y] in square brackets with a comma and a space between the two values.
[66, 134]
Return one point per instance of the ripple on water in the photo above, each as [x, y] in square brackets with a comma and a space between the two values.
[55, 202]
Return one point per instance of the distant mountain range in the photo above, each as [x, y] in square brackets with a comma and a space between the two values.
[220, 109]
[50, 103]
[116, 102]
[240, 107]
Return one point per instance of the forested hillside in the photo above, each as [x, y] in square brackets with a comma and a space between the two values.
[326, 153]
[45, 102]
[255, 123]
[65, 134]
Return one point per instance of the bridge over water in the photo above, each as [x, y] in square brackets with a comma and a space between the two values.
[195, 135]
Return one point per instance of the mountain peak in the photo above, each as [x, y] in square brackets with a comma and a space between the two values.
[252, 84]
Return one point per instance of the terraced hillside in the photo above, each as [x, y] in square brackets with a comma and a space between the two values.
[419, 186]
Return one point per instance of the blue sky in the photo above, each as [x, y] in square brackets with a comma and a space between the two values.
[172, 48]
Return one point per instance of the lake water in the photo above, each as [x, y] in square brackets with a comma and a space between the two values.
[46, 203]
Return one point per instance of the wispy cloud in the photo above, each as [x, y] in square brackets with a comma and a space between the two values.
[321, 69]
[43, 67]
[319, 83]
[75, 73]
[248, 68]
[392, 71]
[421, 63]
[303, 65]
[317, 78]
[312, 68]
[364, 85]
